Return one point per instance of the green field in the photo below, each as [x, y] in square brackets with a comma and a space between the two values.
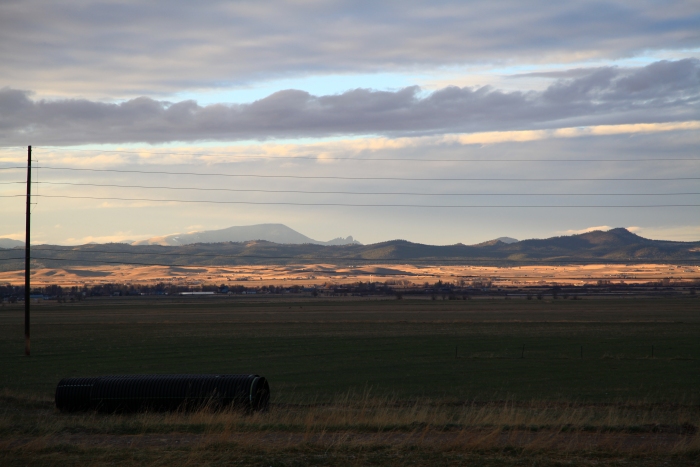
[428, 371]
[316, 349]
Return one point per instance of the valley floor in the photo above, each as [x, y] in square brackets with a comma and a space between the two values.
[329, 274]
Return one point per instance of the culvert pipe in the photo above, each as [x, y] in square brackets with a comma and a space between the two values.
[132, 393]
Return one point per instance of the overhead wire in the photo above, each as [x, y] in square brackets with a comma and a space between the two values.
[429, 206]
[237, 190]
[328, 177]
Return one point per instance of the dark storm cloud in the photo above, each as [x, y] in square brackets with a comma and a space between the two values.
[127, 48]
[661, 92]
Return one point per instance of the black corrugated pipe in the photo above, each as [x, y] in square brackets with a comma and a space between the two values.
[130, 393]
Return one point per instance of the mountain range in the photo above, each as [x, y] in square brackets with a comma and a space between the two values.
[277, 233]
[9, 243]
[616, 245]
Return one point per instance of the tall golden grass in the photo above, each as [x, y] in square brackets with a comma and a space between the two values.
[360, 419]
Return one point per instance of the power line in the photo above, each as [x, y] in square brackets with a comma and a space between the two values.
[162, 172]
[397, 159]
[433, 206]
[354, 192]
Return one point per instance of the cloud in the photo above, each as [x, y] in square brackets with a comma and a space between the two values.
[117, 237]
[328, 151]
[14, 236]
[129, 48]
[665, 91]
[586, 230]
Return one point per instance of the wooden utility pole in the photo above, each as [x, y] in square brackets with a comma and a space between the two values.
[26, 253]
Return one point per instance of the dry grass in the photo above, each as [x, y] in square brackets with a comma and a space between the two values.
[361, 413]
[318, 274]
[355, 429]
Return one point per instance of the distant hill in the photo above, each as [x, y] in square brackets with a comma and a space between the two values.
[617, 245]
[496, 241]
[277, 233]
[9, 243]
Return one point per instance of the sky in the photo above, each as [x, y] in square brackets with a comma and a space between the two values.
[437, 122]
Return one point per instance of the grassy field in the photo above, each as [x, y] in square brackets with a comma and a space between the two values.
[364, 381]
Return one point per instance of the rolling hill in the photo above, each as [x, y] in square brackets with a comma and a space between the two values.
[616, 245]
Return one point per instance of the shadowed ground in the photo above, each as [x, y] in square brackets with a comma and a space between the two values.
[368, 381]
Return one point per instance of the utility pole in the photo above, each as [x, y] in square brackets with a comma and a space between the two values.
[26, 252]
